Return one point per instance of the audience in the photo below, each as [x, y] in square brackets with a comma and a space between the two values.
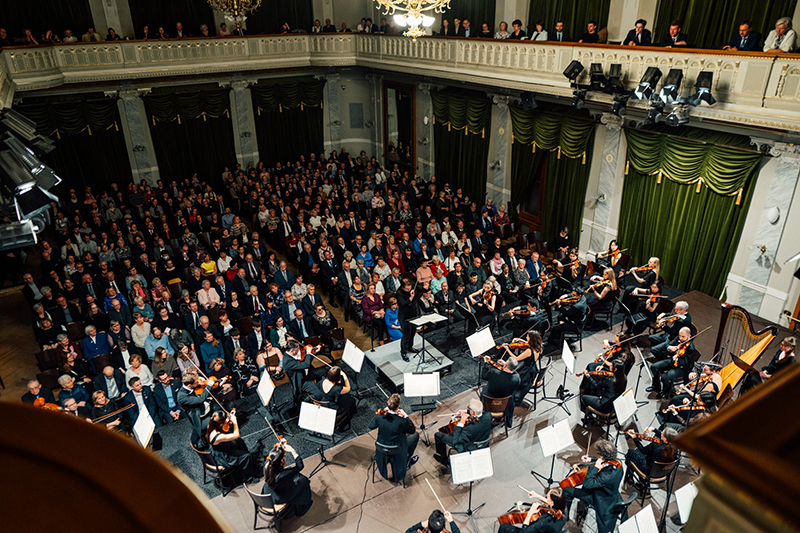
[590, 37]
[782, 38]
[675, 38]
[748, 40]
[639, 36]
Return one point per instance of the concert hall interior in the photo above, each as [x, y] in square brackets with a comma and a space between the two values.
[399, 265]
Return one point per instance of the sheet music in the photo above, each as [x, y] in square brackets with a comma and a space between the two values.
[432, 318]
[645, 364]
[265, 388]
[480, 342]
[471, 466]
[642, 522]
[684, 496]
[568, 357]
[353, 356]
[143, 428]
[625, 406]
[317, 418]
[555, 438]
[417, 385]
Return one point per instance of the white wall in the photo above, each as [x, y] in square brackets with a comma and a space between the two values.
[353, 87]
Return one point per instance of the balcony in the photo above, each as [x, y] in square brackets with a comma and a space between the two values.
[752, 89]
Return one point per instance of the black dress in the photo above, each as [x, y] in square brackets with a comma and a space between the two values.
[344, 404]
[291, 488]
[234, 454]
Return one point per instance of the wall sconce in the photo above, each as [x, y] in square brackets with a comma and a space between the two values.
[425, 120]
[139, 148]
[601, 198]
[423, 141]
[773, 215]
[336, 123]
[246, 134]
[496, 164]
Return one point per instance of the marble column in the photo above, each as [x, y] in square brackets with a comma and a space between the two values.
[425, 166]
[376, 129]
[332, 124]
[498, 183]
[760, 267]
[141, 153]
[602, 197]
[243, 121]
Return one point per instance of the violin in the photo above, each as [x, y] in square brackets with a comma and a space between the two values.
[642, 269]
[608, 353]
[518, 517]
[449, 428]
[697, 381]
[518, 312]
[575, 265]
[212, 383]
[515, 346]
[597, 285]
[578, 477]
[665, 320]
[681, 351]
[695, 407]
[603, 373]
[497, 364]
[569, 300]
[226, 426]
[40, 402]
[382, 411]
[645, 437]
[488, 295]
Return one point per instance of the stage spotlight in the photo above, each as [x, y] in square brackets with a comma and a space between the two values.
[18, 234]
[655, 114]
[596, 75]
[647, 84]
[573, 71]
[528, 101]
[620, 106]
[614, 83]
[672, 84]
[678, 117]
[703, 93]
[579, 98]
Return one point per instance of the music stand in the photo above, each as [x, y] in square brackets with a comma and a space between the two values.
[625, 407]
[643, 364]
[470, 467]
[642, 522]
[354, 357]
[431, 318]
[265, 391]
[684, 497]
[143, 428]
[563, 395]
[320, 421]
[552, 440]
[479, 343]
[419, 385]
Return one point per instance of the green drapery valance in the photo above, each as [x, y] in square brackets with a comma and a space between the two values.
[71, 115]
[461, 112]
[562, 134]
[187, 102]
[278, 96]
[717, 162]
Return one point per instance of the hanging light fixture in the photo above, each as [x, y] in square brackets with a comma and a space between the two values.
[411, 14]
[235, 10]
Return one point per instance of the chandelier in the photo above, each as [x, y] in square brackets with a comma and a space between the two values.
[235, 10]
[413, 16]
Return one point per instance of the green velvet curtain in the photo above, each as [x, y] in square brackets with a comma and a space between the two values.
[271, 15]
[575, 14]
[42, 15]
[565, 140]
[405, 119]
[475, 11]
[154, 13]
[288, 118]
[681, 203]
[712, 23]
[461, 141]
[89, 143]
[192, 131]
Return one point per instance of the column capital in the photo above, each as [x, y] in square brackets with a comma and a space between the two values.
[129, 93]
[500, 100]
[611, 121]
[787, 152]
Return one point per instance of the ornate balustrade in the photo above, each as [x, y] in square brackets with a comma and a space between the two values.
[742, 81]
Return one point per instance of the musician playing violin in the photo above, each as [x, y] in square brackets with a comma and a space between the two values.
[709, 380]
[610, 258]
[286, 484]
[601, 485]
[645, 277]
[573, 313]
[502, 382]
[296, 363]
[679, 363]
[571, 270]
[436, 523]
[525, 317]
[670, 325]
[549, 510]
[228, 449]
[646, 313]
[658, 448]
[471, 425]
[692, 412]
[194, 405]
[395, 429]
[601, 293]
[484, 302]
[529, 352]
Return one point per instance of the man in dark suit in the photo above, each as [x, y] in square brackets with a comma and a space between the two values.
[463, 435]
[284, 277]
[258, 249]
[746, 41]
[502, 383]
[232, 344]
[329, 277]
[65, 312]
[395, 429]
[445, 301]
[112, 382]
[639, 36]
[111, 282]
[35, 390]
[192, 318]
[224, 288]
[535, 267]
[465, 30]
[311, 299]
[295, 368]
[32, 291]
[682, 352]
[240, 283]
[600, 489]
[328, 27]
[560, 34]
[165, 393]
[675, 38]
[255, 339]
[89, 286]
[285, 228]
[194, 405]
[253, 302]
[139, 394]
[94, 344]
[670, 331]
[301, 327]
[407, 310]
[252, 268]
[290, 305]
[120, 313]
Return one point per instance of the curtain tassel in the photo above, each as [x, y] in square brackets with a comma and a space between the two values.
[204, 116]
[448, 126]
[179, 119]
[658, 181]
[512, 137]
[280, 108]
[583, 161]
[89, 129]
[58, 134]
[301, 107]
[739, 197]
[699, 185]
[533, 146]
[466, 131]
[228, 113]
[259, 111]
[154, 119]
[559, 153]
[627, 167]
[483, 133]
[434, 119]
[116, 126]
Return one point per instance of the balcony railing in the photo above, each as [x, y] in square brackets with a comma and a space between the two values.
[742, 80]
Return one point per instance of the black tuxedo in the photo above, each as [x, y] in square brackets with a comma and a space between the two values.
[644, 39]
[192, 405]
[462, 437]
[252, 270]
[600, 489]
[98, 291]
[252, 340]
[250, 306]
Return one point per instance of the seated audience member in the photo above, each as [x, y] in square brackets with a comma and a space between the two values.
[36, 391]
[90, 36]
[165, 393]
[517, 33]
[747, 40]
[539, 34]
[590, 37]
[560, 34]
[675, 38]
[783, 38]
[639, 35]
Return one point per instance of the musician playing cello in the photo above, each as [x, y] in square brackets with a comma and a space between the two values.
[471, 425]
[435, 523]
[550, 513]
[680, 361]
[601, 486]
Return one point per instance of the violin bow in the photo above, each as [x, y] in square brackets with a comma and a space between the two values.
[383, 391]
[434, 494]
[209, 392]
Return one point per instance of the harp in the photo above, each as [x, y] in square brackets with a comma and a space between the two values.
[737, 335]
